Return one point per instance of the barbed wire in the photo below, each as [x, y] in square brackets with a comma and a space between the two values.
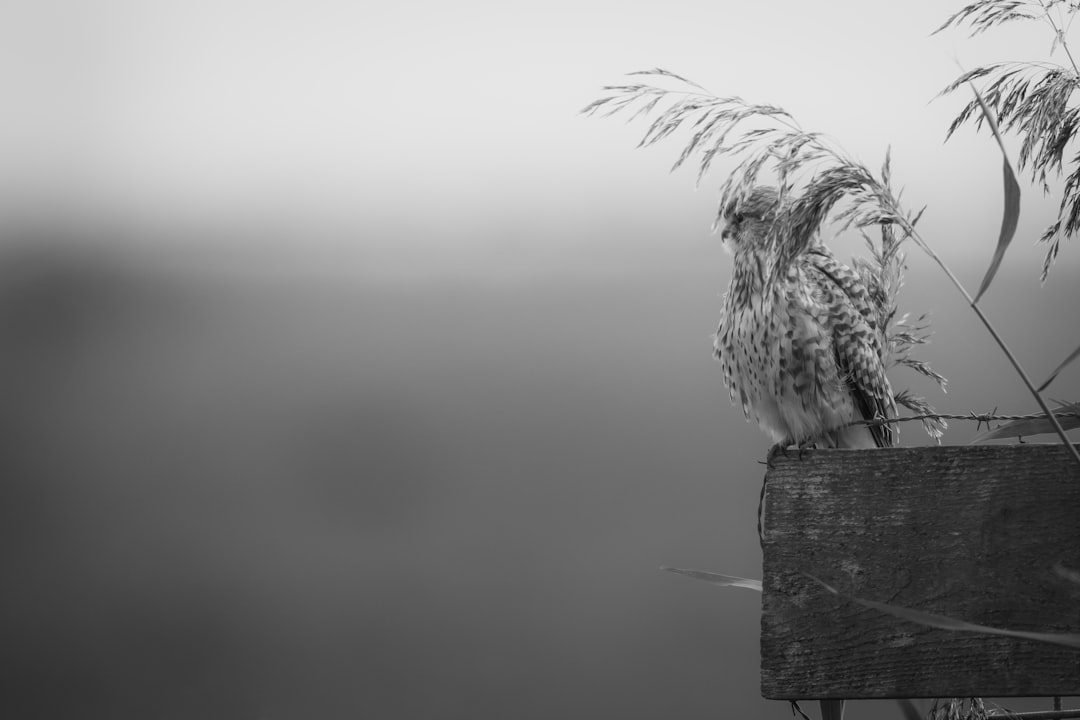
[980, 418]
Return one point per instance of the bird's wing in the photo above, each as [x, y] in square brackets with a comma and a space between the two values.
[857, 339]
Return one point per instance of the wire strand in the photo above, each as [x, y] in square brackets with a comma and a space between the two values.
[976, 417]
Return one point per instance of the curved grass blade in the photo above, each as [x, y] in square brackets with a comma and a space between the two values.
[1067, 573]
[1034, 426]
[942, 622]
[1011, 214]
[796, 709]
[1027, 428]
[717, 578]
[667, 73]
[1072, 356]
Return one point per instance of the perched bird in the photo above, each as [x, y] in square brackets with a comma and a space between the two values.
[800, 340]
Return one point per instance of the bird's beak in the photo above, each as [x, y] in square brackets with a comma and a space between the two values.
[726, 238]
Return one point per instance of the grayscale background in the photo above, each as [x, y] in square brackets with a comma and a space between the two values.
[347, 372]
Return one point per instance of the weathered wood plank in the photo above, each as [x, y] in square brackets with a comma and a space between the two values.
[969, 532]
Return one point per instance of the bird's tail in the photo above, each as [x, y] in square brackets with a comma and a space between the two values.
[857, 437]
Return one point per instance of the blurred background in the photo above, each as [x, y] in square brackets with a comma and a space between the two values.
[346, 371]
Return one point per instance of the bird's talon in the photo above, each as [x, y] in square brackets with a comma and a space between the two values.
[779, 448]
[803, 445]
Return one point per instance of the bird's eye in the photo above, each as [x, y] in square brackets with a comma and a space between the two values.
[737, 218]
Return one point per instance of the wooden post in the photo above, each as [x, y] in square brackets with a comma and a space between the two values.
[971, 532]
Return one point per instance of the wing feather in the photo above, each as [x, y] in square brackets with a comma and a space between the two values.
[858, 341]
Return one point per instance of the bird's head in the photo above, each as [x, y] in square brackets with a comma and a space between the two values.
[748, 220]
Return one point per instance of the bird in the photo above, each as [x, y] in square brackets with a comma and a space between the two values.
[800, 338]
[800, 341]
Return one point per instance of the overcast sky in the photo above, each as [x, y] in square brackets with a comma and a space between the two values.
[438, 137]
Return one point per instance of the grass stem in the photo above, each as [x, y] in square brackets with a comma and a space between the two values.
[998, 339]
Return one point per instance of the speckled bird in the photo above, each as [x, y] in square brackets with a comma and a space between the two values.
[801, 345]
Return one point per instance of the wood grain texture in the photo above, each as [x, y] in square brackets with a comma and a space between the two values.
[970, 532]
